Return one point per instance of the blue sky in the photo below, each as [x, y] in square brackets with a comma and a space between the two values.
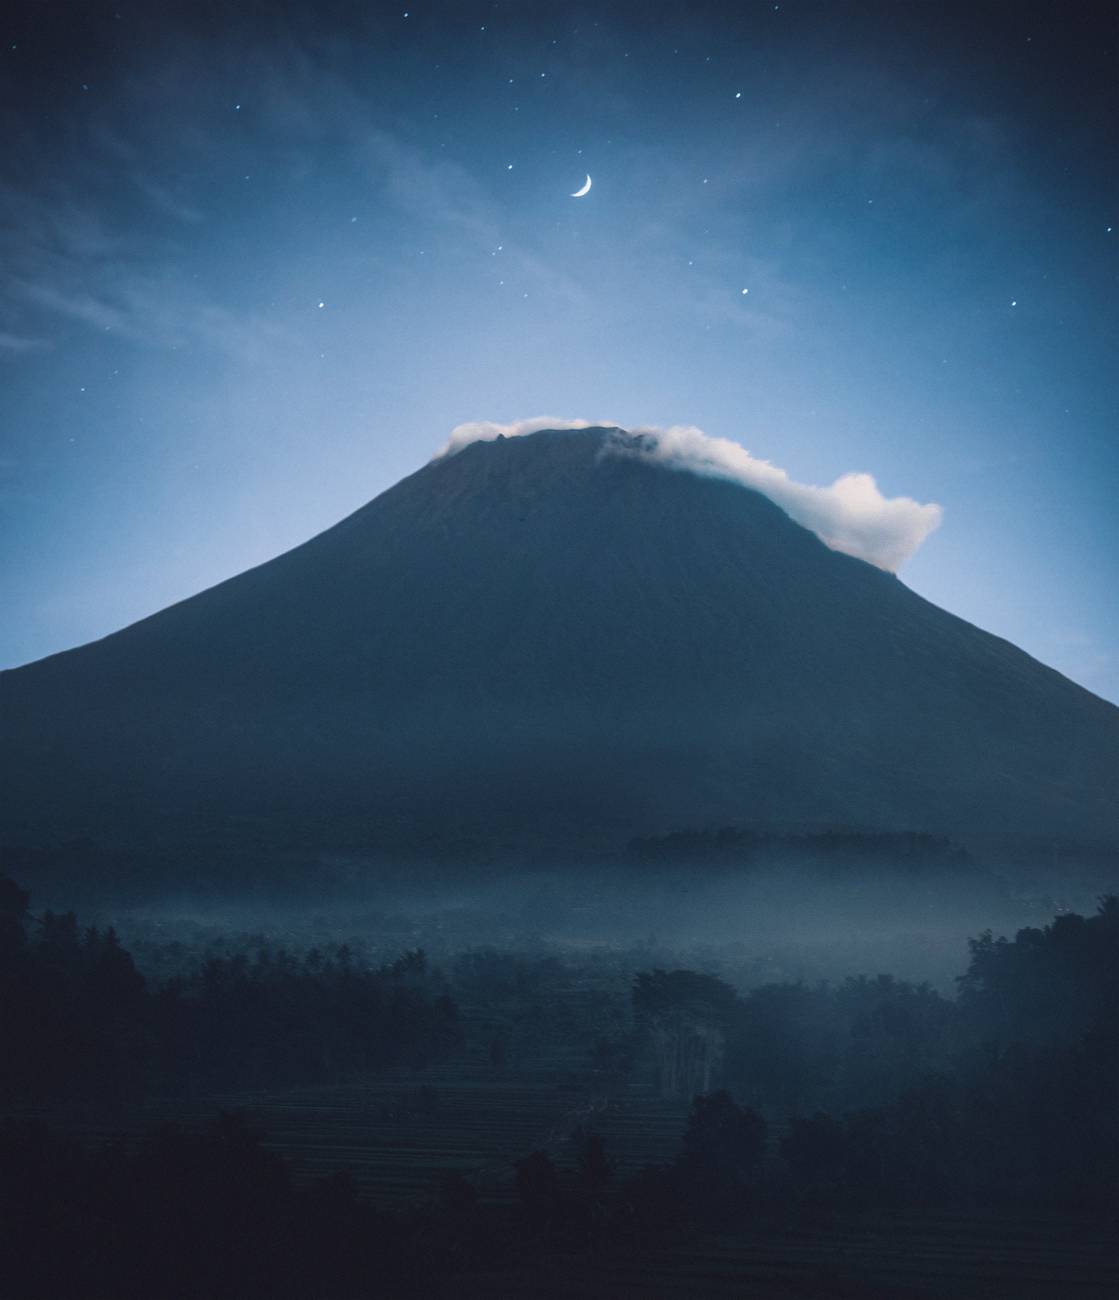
[256, 262]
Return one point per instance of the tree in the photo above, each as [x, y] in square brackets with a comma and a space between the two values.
[1052, 985]
[538, 1189]
[685, 1016]
[814, 1148]
[595, 1171]
[723, 1135]
[13, 916]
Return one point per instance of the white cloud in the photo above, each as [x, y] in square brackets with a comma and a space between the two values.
[851, 515]
[489, 431]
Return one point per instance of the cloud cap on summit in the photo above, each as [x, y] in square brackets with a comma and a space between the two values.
[851, 515]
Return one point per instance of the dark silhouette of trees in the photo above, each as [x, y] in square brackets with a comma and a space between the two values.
[723, 1145]
[684, 1016]
[1025, 1107]
[180, 1215]
[73, 1018]
[594, 1169]
[13, 919]
[281, 1018]
[885, 1095]
[905, 852]
[79, 1023]
[1008, 1096]
[538, 1190]
[724, 1135]
[497, 1051]
[1050, 985]
[815, 1149]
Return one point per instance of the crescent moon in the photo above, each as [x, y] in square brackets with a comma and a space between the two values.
[586, 186]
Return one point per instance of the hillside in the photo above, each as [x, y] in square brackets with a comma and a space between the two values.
[535, 643]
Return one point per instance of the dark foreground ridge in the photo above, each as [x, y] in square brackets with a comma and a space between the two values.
[536, 645]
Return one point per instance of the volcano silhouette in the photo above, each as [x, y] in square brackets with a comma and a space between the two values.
[538, 641]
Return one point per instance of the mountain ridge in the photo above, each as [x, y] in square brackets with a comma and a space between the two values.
[531, 640]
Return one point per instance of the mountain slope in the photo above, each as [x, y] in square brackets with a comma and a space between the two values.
[536, 641]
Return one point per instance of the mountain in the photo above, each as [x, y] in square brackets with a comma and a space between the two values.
[537, 643]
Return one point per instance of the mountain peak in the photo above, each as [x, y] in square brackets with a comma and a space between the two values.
[550, 640]
[850, 515]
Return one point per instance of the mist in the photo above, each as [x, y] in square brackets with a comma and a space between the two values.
[781, 911]
[665, 857]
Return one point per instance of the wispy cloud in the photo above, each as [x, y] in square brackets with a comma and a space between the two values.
[16, 345]
[72, 249]
[169, 200]
[438, 192]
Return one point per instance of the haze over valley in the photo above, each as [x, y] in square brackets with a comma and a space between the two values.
[663, 847]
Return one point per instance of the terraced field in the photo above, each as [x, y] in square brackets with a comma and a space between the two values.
[398, 1131]
[887, 1257]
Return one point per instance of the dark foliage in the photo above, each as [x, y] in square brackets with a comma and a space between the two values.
[884, 1094]
[178, 1215]
[1007, 1096]
[78, 1021]
[905, 852]
[538, 1189]
[1025, 1110]
[1052, 985]
[595, 1170]
[723, 1135]
[282, 1018]
[863, 1041]
[684, 1018]
[74, 1011]
[723, 1144]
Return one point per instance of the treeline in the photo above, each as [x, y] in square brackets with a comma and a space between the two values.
[905, 850]
[174, 1214]
[892, 1094]
[78, 1021]
[1005, 1098]
[794, 1046]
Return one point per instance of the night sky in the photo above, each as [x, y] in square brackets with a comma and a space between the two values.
[257, 262]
